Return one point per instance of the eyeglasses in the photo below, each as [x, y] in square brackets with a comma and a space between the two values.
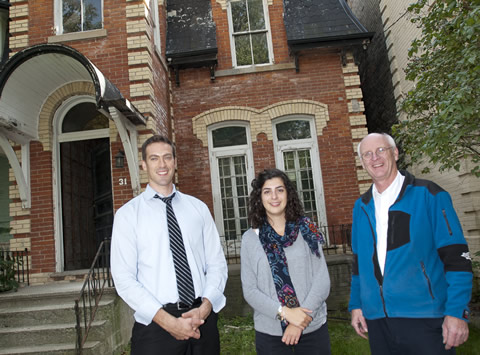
[379, 152]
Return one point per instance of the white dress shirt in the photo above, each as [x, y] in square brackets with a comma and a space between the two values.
[383, 201]
[141, 260]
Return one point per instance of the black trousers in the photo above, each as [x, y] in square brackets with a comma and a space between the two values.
[314, 343]
[154, 340]
[404, 336]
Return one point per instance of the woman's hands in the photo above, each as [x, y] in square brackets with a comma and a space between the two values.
[297, 316]
[292, 335]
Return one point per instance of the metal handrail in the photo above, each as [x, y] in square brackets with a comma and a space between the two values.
[87, 302]
[20, 264]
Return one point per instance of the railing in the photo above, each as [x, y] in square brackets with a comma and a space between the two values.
[88, 300]
[338, 241]
[14, 266]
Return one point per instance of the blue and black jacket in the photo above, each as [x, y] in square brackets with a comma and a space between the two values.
[428, 270]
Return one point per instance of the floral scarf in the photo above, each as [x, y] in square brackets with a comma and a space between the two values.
[274, 246]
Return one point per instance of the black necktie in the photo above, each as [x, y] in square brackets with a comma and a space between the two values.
[185, 286]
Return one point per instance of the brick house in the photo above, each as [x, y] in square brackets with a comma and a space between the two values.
[239, 86]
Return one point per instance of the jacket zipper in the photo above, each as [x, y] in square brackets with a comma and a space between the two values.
[446, 220]
[380, 284]
[428, 280]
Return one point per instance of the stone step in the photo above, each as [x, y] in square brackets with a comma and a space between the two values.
[61, 312]
[90, 348]
[45, 334]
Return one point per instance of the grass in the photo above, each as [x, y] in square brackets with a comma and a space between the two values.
[237, 337]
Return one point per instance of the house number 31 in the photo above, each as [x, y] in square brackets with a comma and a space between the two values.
[122, 181]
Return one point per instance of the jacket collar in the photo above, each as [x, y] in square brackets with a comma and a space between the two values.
[409, 180]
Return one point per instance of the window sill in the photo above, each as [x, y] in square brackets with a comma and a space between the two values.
[254, 69]
[77, 36]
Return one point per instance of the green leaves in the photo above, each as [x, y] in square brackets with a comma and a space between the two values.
[443, 109]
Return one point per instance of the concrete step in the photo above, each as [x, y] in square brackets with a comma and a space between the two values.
[61, 312]
[90, 348]
[48, 334]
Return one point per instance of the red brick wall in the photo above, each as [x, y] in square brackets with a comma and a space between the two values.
[320, 79]
[110, 55]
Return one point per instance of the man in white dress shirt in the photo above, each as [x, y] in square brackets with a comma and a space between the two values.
[143, 267]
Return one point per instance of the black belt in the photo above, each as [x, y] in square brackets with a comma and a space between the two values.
[180, 306]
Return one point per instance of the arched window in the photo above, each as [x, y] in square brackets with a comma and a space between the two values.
[296, 153]
[231, 171]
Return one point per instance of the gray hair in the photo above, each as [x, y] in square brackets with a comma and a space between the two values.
[388, 137]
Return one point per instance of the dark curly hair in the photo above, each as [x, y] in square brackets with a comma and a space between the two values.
[256, 211]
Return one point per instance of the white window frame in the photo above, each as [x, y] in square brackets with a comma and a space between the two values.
[215, 153]
[156, 26]
[58, 17]
[311, 144]
[232, 39]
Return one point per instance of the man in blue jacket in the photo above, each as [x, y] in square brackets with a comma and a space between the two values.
[412, 271]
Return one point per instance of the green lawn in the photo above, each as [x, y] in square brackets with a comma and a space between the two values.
[237, 336]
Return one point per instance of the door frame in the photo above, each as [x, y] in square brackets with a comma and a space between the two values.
[58, 138]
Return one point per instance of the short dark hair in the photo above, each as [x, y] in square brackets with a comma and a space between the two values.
[156, 139]
[256, 211]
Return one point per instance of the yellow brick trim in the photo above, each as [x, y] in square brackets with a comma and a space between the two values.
[260, 120]
[45, 128]
[20, 243]
[137, 10]
[351, 80]
[18, 11]
[358, 120]
[142, 57]
[18, 41]
[359, 133]
[137, 26]
[142, 73]
[136, 42]
[20, 226]
[17, 210]
[18, 26]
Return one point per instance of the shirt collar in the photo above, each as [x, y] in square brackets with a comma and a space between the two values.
[150, 192]
[394, 186]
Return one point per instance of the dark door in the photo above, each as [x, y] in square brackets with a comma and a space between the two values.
[87, 209]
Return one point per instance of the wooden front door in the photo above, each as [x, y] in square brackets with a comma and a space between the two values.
[87, 209]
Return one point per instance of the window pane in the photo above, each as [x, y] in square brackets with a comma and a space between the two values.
[260, 48]
[73, 21]
[229, 136]
[289, 130]
[298, 168]
[83, 117]
[234, 195]
[239, 16]
[255, 15]
[242, 50]
[92, 18]
[72, 18]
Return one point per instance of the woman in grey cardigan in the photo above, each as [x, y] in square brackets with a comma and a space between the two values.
[284, 275]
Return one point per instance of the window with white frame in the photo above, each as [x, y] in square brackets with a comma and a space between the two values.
[250, 37]
[156, 25]
[78, 15]
[231, 171]
[297, 154]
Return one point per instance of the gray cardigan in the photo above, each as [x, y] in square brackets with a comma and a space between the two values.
[309, 275]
